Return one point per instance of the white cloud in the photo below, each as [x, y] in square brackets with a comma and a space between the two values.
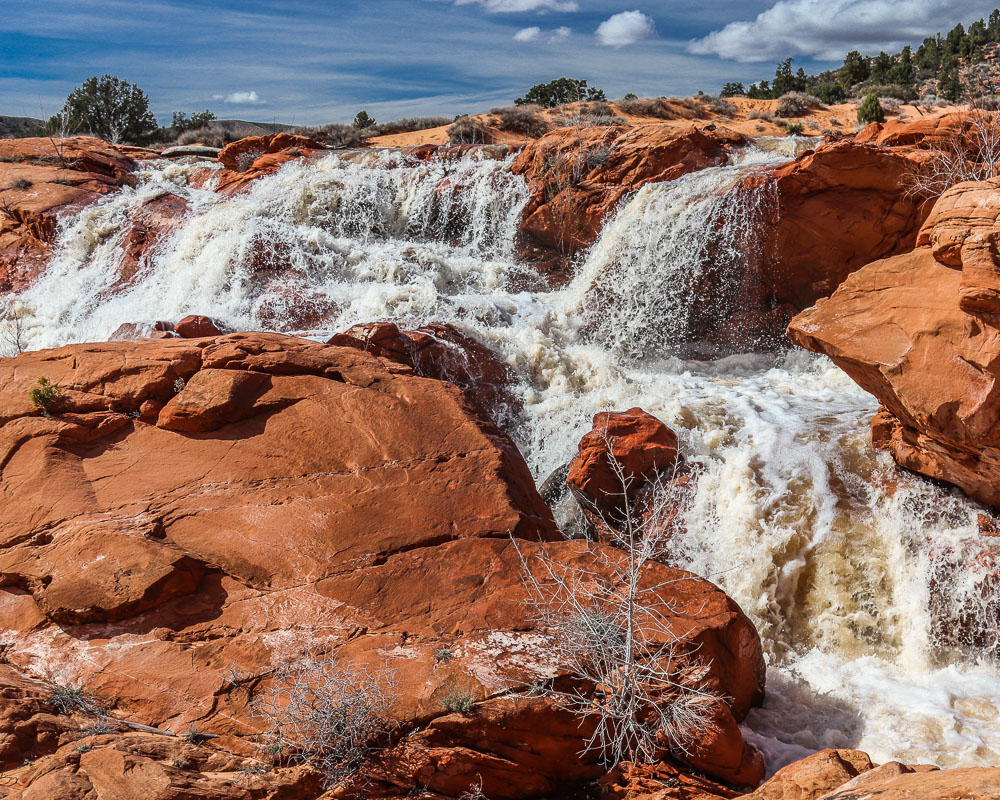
[528, 35]
[239, 98]
[534, 34]
[521, 6]
[828, 29]
[560, 35]
[625, 28]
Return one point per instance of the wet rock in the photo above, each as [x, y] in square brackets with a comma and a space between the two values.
[41, 180]
[276, 497]
[195, 326]
[578, 175]
[912, 331]
[641, 445]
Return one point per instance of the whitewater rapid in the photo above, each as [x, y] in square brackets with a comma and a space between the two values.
[861, 579]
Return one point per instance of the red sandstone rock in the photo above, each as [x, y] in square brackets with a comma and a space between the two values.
[152, 221]
[951, 784]
[64, 175]
[195, 326]
[641, 444]
[276, 497]
[442, 352]
[578, 175]
[256, 156]
[812, 777]
[239, 155]
[838, 208]
[898, 328]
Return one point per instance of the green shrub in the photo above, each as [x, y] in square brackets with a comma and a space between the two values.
[794, 128]
[108, 107]
[830, 93]
[44, 396]
[870, 110]
[459, 702]
[21, 183]
[362, 120]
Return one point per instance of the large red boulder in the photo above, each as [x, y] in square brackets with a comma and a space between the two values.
[640, 445]
[914, 331]
[196, 512]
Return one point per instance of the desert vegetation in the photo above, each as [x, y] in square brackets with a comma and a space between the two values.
[608, 628]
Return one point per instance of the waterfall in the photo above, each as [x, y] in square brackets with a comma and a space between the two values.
[869, 586]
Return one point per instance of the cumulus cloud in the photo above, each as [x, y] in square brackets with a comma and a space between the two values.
[625, 28]
[827, 29]
[239, 98]
[521, 6]
[560, 35]
[535, 35]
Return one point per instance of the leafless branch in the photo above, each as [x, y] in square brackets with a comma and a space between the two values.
[972, 155]
[329, 714]
[610, 631]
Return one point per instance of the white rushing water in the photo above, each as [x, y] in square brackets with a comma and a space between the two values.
[869, 585]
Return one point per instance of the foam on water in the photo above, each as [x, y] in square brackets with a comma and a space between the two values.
[869, 585]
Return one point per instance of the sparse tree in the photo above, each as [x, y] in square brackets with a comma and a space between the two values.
[113, 109]
[733, 89]
[13, 328]
[560, 91]
[609, 628]
[327, 713]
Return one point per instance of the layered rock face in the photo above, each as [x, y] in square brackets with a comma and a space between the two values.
[578, 175]
[919, 331]
[42, 179]
[231, 503]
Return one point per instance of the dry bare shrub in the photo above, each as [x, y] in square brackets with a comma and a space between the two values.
[13, 328]
[796, 104]
[608, 628]
[658, 107]
[338, 135]
[971, 155]
[328, 714]
[210, 135]
[588, 115]
[524, 120]
[409, 125]
[719, 105]
[890, 105]
[466, 130]
[767, 116]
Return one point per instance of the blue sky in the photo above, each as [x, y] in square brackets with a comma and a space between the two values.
[317, 61]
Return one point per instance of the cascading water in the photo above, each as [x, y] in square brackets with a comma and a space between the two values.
[868, 585]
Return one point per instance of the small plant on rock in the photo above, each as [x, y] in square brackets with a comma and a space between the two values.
[44, 395]
[68, 699]
[443, 654]
[331, 715]
[459, 702]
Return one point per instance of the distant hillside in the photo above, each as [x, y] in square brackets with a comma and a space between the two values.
[241, 128]
[16, 127]
[962, 65]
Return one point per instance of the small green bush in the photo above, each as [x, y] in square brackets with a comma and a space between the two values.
[21, 183]
[43, 397]
[362, 120]
[870, 110]
[460, 702]
[68, 699]
[830, 93]
[794, 128]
